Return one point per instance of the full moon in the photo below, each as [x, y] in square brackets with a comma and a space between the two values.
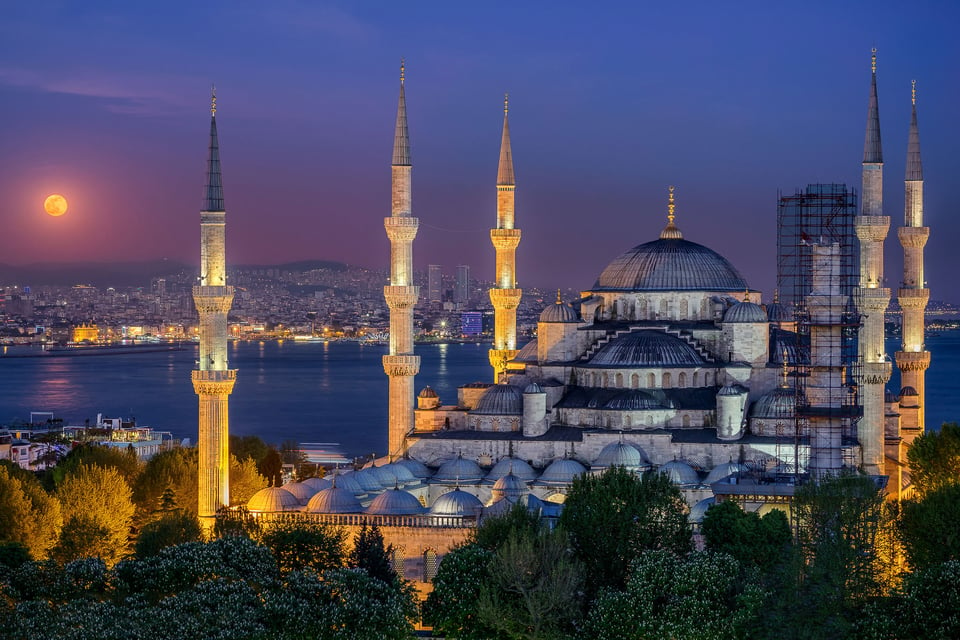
[55, 205]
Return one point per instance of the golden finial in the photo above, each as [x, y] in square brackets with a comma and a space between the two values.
[671, 207]
[506, 103]
[873, 60]
[776, 296]
[746, 295]
[913, 92]
[559, 299]
[213, 100]
[403, 68]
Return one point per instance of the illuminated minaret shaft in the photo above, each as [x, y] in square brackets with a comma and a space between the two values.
[913, 359]
[871, 296]
[401, 365]
[505, 296]
[213, 380]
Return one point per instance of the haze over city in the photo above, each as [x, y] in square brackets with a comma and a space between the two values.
[107, 105]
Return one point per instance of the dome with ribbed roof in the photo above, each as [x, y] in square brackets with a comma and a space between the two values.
[731, 389]
[404, 476]
[908, 391]
[632, 400]
[516, 466]
[724, 470]
[559, 311]
[428, 392]
[699, 510]
[670, 264]
[778, 312]
[303, 492]
[646, 348]
[528, 353]
[317, 484]
[384, 475]
[334, 499]
[348, 481]
[459, 469]
[367, 480]
[395, 502]
[456, 503]
[680, 473]
[561, 471]
[779, 403]
[620, 454]
[533, 387]
[744, 312]
[500, 400]
[508, 486]
[272, 499]
[417, 468]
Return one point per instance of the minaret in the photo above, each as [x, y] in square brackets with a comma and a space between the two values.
[505, 296]
[871, 297]
[913, 359]
[213, 379]
[401, 294]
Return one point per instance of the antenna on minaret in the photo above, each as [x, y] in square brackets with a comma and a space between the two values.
[213, 100]
[403, 68]
[506, 103]
[671, 231]
[913, 92]
[873, 60]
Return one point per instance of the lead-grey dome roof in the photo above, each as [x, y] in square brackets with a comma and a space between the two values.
[699, 510]
[778, 312]
[779, 403]
[395, 502]
[334, 499]
[724, 470]
[456, 503]
[417, 468]
[303, 492]
[272, 499]
[646, 348]
[620, 454]
[508, 486]
[459, 469]
[559, 312]
[516, 466]
[631, 400]
[561, 471]
[317, 484]
[670, 264]
[744, 312]
[500, 400]
[680, 473]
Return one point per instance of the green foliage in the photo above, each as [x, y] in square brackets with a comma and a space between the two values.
[98, 512]
[252, 447]
[13, 555]
[934, 458]
[930, 527]
[451, 608]
[245, 481]
[172, 528]
[175, 470]
[753, 541]
[271, 467]
[28, 514]
[493, 532]
[667, 596]
[369, 554]
[300, 546]
[121, 460]
[613, 517]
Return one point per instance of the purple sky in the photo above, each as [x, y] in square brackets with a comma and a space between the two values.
[106, 103]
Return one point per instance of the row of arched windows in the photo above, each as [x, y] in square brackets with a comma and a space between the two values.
[616, 380]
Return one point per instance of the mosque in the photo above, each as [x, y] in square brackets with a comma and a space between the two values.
[669, 362]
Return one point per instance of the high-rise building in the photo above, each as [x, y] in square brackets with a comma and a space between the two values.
[213, 379]
[462, 292]
[434, 284]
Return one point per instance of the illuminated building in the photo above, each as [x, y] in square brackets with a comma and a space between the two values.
[434, 285]
[462, 290]
[86, 333]
[213, 379]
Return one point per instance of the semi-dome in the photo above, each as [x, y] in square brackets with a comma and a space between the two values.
[516, 466]
[317, 484]
[744, 312]
[428, 392]
[699, 510]
[417, 468]
[561, 471]
[779, 403]
[334, 499]
[508, 486]
[646, 348]
[528, 353]
[680, 473]
[632, 400]
[670, 264]
[456, 503]
[559, 311]
[731, 389]
[395, 502]
[620, 454]
[459, 469]
[303, 492]
[724, 470]
[908, 391]
[500, 400]
[272, 499]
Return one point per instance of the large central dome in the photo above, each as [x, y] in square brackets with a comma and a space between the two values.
[670, 264]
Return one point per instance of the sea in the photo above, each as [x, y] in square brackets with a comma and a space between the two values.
[333, 392]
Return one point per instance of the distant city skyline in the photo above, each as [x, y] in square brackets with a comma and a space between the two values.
[608, 107]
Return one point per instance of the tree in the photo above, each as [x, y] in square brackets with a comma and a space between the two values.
[930, 527]
[173, 527]
[451, 608]
[272, 468]
[370, 554]
[123, 460]
[96, 504]
[493, 532]
[28, 514]
[176, 470]
[299, 546]
[668, 596]
[245, 481]
[753, 541]
[243, 447]
[934, 458]
[612, 517]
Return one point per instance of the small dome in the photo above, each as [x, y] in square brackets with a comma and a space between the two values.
[500, 400]
[632, 400]
[777, 312]
[724, 470]
[508, 486]
[561, 471]
[428, 392]
[731, 390]
[528, 353]
[395, 502]
[368, 480]
[680, 473]
[779, 403]
[317, 484]
[273, 499]
[620, 454]
[302, 492]
[670, 264]
[417, 468]
[559, 311]
[459, 470]
[403, 475]
[743, 312]
[334, 499]
[384, 475]
[456, 503]
[699, 510]
[515, 466]
[348, 481]
[646, 348]
[889, 397]
[782, 469]
[533, 387]
[908, 391]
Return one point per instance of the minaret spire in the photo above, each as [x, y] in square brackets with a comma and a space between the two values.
[671, 231]
[401, 365]
[213, 380]
[872, 148]
[505, 296]
[914, 165]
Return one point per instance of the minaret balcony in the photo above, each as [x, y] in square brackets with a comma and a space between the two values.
[872, 300]
[505, 238]
[401, 228]
[875, 372]
[212, 299]
[214, 383]
[401, 297]
[505, 298]
[913, 298]
[913, 237]
[913, 360]
[872, 228]
[401, 365]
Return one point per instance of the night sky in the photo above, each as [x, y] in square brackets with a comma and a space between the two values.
[107, 103]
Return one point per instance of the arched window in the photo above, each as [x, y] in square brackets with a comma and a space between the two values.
[651, 381]
[429, 565]
[686, 420]
[666, 380]
[684, 309]
[619, 380]
[606, 380]
[664, 309]
[635, 381]
[682, 379]
[695, 376]
[627, 422]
